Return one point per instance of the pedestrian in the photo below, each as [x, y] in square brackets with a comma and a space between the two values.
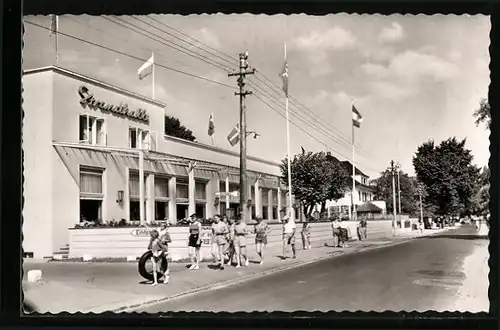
[306, 235]
[289, 229]
[230, 250]
[420, 226]
[159, 251]
[219, 232]
[362, 230]
[336, 231]
[194, 243]
[261, 231]
[344, 234]
[165, 238]
[240, 244]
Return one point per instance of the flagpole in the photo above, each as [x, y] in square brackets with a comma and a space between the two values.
[153, 74]
[289, 153]
[353, 175]
[57, 37]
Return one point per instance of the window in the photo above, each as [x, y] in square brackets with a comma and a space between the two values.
[182, 211]
[275, 197]
[134, 185]
[91, 194]
[135, 211]
[359, 195]
[252, 193]
[254, 213]
[139, 138]
[200, 190]
[275, 212]
[200, 211]
[161, 197]
[265, 196]
[264, 212]
[92, 130]
[182, 187]
[134, 193]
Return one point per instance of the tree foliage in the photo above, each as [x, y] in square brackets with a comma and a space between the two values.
[316, 178]
[173, 127]
[483, 113]
[409, 193]
[448, 175]
[481, 199]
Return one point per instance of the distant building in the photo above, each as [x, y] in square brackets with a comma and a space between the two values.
[364, 192]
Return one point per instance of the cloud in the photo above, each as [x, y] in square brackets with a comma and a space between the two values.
[375, 70]
[392, 34]
[334, 38]
[377, 53]
[412, 65]
[455, 56]
[323, 97]
[393, 91]
[208, 37]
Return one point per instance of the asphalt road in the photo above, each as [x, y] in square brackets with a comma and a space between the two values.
[422, 274]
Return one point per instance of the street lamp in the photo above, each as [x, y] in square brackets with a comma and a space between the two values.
[255, 134]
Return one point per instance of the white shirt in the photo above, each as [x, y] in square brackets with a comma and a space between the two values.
[289, 227]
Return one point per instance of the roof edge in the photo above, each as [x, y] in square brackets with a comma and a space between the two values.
[94, 81]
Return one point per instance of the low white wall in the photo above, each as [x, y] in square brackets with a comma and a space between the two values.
[120, 243]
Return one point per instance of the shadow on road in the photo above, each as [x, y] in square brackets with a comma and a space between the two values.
[457, 236]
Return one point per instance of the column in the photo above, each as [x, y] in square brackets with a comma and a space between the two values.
[279, 203]
[150, 198]
[212, 187]
[227, 190]
[126, 194]
[172, 202]
[192, 189]
[258, 199]
[270, 204]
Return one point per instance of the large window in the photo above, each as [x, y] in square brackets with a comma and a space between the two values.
[182, 186]
[264, 212]
[134, 192]
[182, 198]
[92, 130]
[265, 202]
[91, 194]
[139, 138]
[161, 197]
[201, 198]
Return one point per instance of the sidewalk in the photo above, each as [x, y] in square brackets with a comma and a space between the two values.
[99, 287]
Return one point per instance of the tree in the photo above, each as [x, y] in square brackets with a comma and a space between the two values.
[316, 178]
[481, 199]
[483, 113]
[448, 175]
[173, 127]
[383, 186]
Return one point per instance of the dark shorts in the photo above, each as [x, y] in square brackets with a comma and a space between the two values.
[193, 240]
[262, 240]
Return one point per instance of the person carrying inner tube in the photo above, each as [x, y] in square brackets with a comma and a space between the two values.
[159, 249]
[194, 243]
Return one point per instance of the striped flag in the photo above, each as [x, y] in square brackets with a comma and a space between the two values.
[284, 77]
[234, 136]
[211, 125]
[146, 69]
[357, 119]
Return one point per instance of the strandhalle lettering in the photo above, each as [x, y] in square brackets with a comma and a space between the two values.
[87, 99]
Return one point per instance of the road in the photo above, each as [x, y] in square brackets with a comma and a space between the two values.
[422, 274]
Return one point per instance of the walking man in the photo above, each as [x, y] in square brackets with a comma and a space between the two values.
[289, 235]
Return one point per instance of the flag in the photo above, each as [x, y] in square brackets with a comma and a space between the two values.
[211, 126]
[146, 69]
[54, 24]
[357, 119]
[234, 136]
[284, 78]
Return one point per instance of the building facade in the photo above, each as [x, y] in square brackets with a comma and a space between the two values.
[81, 141]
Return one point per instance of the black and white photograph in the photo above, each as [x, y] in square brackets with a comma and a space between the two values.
[244, 162]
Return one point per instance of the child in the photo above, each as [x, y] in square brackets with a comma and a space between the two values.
[306, 235]
[159, 250]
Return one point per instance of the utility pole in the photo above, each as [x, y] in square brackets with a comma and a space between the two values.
[399, 189]
[420, 192]
[243, 133]
[393, 200]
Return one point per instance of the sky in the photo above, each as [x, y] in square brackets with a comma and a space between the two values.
[413, 78]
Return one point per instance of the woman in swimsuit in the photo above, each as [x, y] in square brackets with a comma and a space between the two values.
[194, 243]
[159, 249]
[261, 231]
[240, 244]
[219, 232]
[230, 250]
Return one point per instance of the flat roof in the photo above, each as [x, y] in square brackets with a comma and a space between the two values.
[96, 82]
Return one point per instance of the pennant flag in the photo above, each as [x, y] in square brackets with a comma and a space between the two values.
[357, 119]
[234, 136]
[146, 69]
[211, 125]
[54, 24]
[284, 78]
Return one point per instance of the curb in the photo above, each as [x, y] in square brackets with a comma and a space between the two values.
[225, 283]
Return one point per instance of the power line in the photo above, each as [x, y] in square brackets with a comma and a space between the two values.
[132, 56]
[334, 131]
